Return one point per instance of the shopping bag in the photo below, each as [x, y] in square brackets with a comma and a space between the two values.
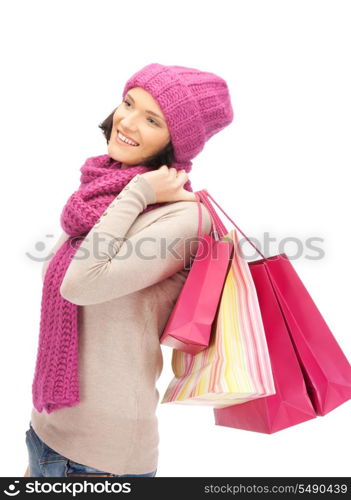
[189, 325]
[235, 367]
[291, 404]
[324, 367]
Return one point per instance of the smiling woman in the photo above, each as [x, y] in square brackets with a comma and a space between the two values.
[139, 119]
[135, 231]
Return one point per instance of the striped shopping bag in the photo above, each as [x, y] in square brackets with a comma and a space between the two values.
[235, 367]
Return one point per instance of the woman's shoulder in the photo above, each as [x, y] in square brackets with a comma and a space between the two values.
[187, 213]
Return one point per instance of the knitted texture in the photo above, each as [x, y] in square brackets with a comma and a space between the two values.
[196, 104]
[56, 383]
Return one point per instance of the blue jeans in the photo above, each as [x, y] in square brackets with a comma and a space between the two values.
[45, 462]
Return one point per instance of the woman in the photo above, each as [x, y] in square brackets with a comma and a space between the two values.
[102, 421]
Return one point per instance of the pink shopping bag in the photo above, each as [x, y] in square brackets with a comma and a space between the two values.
[188, 327]
[325, 367]
[290, 405]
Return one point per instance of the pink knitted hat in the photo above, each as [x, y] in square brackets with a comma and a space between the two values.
[196, 104]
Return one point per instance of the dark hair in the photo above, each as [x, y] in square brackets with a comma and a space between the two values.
[163, 157]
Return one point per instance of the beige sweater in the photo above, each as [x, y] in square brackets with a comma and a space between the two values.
[127, 283]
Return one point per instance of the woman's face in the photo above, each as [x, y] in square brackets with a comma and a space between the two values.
[139, 118]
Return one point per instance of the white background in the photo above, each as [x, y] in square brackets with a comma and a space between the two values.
[281, 167]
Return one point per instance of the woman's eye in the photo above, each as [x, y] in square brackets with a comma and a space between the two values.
[153, 121]
[128, 105]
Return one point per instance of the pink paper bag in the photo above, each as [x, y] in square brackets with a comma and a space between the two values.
[291, 404]
[189, 325]
[325, 367]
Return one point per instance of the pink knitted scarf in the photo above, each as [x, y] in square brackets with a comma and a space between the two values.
[56, 379]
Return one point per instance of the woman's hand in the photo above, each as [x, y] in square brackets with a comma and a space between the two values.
[168, 184]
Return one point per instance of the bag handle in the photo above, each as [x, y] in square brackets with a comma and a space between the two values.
[222, 230]
[199, 231]
[204, 195]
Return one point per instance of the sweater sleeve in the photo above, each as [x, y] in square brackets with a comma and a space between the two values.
[108, 264]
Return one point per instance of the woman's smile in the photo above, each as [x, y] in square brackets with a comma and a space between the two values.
[120, 141]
